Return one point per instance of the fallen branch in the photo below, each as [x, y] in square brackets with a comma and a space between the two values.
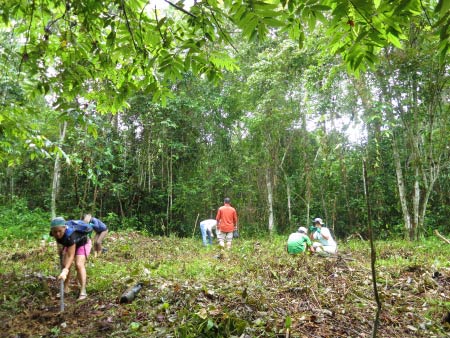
[130, 294]
[354, 235]
[442, 237]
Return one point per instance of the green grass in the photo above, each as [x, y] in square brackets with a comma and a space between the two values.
[254, 289]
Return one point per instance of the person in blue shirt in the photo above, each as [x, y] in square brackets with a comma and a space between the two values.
[100, 229]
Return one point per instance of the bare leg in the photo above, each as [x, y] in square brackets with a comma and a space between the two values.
[229, 239]
[98, 240]
[80, 263]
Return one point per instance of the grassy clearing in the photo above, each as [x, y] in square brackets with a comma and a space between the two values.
[254, 290]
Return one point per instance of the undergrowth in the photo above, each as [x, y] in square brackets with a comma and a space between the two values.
[254, 290]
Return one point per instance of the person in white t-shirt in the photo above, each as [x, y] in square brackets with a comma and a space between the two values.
[322, 235]
[206, 228]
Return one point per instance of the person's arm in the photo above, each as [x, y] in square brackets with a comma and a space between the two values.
[325, 234]
[70, 256]
[218, 217]
[309, 243]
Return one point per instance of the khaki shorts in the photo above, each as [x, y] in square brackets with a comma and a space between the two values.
[224, 236]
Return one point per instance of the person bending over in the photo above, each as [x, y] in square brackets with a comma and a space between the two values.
[100, 229]
[73, 246]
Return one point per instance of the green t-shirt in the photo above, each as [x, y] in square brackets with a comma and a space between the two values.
[297, 243]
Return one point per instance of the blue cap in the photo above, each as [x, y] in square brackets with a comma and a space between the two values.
[57, 222]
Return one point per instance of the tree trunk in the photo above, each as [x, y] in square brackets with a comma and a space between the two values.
[56, 172]
[416, 202]
[270, 200]
[401, 189]
[288, 193]
[307, 192]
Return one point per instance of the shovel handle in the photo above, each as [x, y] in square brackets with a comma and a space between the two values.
[61, 286]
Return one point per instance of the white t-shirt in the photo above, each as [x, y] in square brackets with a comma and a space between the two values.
[323, 241]
[209, 224]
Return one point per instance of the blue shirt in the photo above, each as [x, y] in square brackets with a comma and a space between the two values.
[98, 225]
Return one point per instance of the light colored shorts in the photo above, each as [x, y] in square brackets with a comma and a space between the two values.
[224, 236]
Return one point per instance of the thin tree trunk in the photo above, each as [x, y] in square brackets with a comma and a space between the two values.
[286, 179]
[57, 172]
[288, 193]
[373, 255]
[308, 192]
[270, 200]
[94, 202]
[11, 184]
[401, 188]
[416, 202]
[429, 184]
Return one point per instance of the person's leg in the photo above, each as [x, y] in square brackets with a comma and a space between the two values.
[317, 247]
[203, 231]
[229, 239]
[81, 256]
[330, 249]
[96, 250]
[80, 263]
[209, 236]
[221, 238]
[98, 241]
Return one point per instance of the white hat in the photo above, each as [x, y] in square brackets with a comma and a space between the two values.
[302, 229]
[318, 220]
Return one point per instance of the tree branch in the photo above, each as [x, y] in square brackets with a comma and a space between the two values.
[223, 33]
[442, 237]
[181, 9]
[128, 25]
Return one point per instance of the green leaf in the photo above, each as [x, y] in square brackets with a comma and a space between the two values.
[442, 7]
[210, 324]
[394, 40]
[288, 322]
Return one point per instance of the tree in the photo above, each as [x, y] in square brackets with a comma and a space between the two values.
[109, 49]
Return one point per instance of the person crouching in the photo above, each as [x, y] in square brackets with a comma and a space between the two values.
[299, 242]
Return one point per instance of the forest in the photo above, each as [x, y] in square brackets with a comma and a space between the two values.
[147, 114]
[281, 130]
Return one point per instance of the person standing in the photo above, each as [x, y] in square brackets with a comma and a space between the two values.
[226, 223]
[73, 245]
[323, 235]
[100, 229]
[206, 228]
[299, 241]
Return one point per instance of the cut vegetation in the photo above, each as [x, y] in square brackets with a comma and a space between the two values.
[254, 290]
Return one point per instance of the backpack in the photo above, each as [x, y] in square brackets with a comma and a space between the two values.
[80, 226]
[78, 231]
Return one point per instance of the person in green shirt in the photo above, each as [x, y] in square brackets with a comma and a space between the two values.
[299, 241]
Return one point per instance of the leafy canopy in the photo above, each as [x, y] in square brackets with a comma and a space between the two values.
[107, 50]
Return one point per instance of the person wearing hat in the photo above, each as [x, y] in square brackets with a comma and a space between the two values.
[73, 246]
[299, 241]
[226, 223]
[322, 234]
